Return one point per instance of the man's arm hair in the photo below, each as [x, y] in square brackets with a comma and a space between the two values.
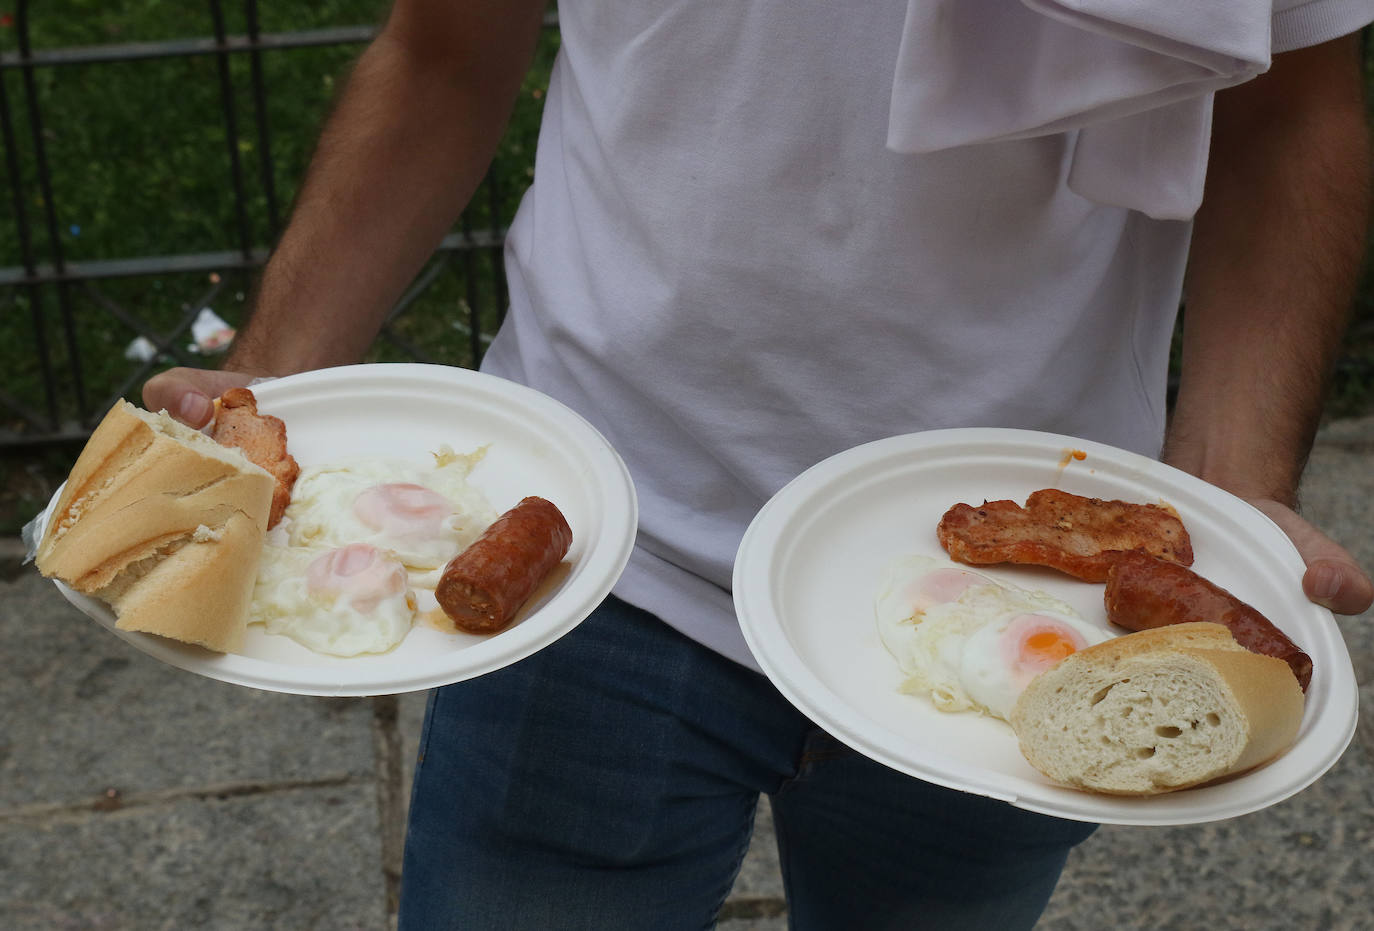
[410, 139]
[1277, 250]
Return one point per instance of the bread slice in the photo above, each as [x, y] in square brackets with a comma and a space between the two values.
[1157, 711]
[163, 524]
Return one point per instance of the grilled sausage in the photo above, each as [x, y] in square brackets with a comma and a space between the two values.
[483, 587]
[1144, 592]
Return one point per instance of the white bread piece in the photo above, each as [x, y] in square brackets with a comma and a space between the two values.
[163, 524]
[1158, 710]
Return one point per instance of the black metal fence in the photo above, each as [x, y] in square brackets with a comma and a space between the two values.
[65, 317]
[56, 378]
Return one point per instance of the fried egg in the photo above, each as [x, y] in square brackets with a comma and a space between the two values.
[359, 553]
[346, 601]
[1000, 659]
[968, 642]
[907, 589]
[423, 515]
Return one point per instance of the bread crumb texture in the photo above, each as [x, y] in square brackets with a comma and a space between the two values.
[1150, 730]
[1141, 717]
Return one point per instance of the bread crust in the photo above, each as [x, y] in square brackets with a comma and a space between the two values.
[1203, 635]
[164, 525]
[1157, 711]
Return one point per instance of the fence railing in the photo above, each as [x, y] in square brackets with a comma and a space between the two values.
[55, 379]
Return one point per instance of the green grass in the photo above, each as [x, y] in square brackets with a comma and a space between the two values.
[138, 149]
[140, 166]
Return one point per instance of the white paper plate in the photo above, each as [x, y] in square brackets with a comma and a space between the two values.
[536, 446]
[808, 568]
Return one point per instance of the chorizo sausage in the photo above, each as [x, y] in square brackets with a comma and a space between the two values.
[1144, 592]
[482, 587]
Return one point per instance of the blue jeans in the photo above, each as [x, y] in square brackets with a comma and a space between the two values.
[610, 782]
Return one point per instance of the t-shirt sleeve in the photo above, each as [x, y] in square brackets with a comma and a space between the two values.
[1310, 22]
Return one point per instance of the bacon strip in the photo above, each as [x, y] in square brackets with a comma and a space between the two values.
[262, 438]
[1076, 535]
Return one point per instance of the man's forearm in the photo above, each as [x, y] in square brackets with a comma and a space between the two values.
[407, 144]
[1276, 254]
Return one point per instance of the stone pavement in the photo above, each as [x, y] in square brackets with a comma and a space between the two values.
[135, 796]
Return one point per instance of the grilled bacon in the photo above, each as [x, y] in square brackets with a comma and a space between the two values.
[262, 438]
[1073, 534]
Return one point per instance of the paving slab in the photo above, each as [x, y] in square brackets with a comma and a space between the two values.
[759, 880]
[756, 901]
[81, 711]
[299, 859]
[134, 795]
[410, 720]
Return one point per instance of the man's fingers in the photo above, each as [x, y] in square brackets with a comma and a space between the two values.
[1333, 578]
[1339, 585]
[187, 393]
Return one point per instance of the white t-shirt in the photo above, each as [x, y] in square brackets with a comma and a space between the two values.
[722, 266]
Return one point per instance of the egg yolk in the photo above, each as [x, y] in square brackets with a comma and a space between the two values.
[1046, 647]
[358, 572]
[403, 509]
[1038, 642]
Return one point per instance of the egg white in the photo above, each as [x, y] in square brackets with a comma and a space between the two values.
[322, 513]
[321, 517]
[901, 602]
[284, 604]
[991, 677]
[942, 647]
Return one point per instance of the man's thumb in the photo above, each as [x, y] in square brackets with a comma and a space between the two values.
[187, 393]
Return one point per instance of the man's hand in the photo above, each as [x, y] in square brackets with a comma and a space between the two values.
[187, 394]
[1333, 578]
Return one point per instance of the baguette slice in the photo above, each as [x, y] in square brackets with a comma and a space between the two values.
[1157, 711]
[163, 524]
